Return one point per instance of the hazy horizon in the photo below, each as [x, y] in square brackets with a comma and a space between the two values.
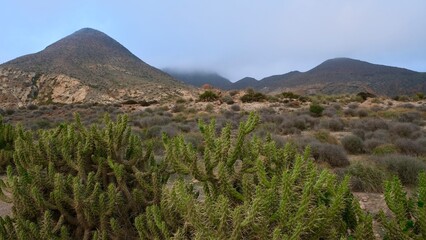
[234, 39]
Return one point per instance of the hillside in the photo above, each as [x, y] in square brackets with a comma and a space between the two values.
[199, 78]
[344, 75]
[87, 65]
[247, 82]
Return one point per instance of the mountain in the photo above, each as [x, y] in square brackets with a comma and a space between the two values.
[345, 75]
[199, 78]
[86, 66]
[247, 82]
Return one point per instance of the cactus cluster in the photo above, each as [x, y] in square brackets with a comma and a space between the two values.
[7, 136]
[104, 182]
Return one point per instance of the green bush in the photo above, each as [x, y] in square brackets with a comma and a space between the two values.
[385, 149]
[252, 96]
[316, 109]
[208, 96]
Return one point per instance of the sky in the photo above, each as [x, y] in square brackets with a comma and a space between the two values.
[235, 38]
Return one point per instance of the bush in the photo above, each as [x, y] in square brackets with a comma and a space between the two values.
[32, 107]
[252, 96]
[385, 149]
[372, 143]
[178, 108]
[353, 105]
[316, 110]
[349, 112]
[208, 96]
[362, 113]
[332, 154]
[410, 147]
[353, 144]
[228, 99]
[235, 107]
[407, 168]
[325, 137]
[365, 178]
[333, 124]
[405, 130]
[290, 95]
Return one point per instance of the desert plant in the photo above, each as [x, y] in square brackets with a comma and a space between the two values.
[75, 182]
[332, 154]
[7, 137]
[385, 149]
[208, 96]
[316, 109]
[366, 178]
[245, 197]
[408, 219]
[252, 96]
[333, 124]
[81, 183]
[405, 167]
[353, 144]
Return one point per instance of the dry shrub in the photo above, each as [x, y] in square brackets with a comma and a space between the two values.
[332, 154]
[407, 168]
[353, 144]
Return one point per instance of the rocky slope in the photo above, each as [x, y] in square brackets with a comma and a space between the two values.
[86, 66]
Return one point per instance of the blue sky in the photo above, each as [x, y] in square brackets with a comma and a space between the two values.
[235, 38]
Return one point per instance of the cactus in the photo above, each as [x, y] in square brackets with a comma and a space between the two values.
[77, 182]
[7, 136]
[408, 220]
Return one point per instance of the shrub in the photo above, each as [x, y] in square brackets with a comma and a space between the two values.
[228, 99]
[353, 105]
[32, 107]
[333, 124]
[252, 96]
[366, 178]
[290, 95]
[332, 154]
[362, 113]
[407, 168]
[372, 143]
[325, 137]
[385, 149]
[235, 107]
[405, 130]
[180, 100]
[410, 117]
[349, 112]
[353, 144]
[410, 147]
[316, 109]
[178, 108]
[9, 111]
[208, 96]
